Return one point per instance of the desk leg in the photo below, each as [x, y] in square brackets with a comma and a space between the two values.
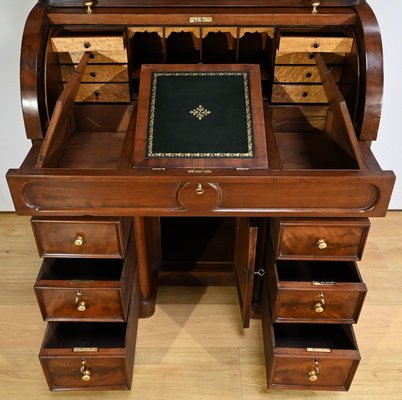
[145, 273]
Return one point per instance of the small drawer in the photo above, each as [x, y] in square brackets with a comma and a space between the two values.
[96, 57]
[88, 43]
[308, 58]
[98, 73]
[308, 356]
[314, 44]
[319, 239]
[298, 94]
[81, 237]
[91, 355]
[103, 93]
[303, 74]
[85, 289]
[315, 291]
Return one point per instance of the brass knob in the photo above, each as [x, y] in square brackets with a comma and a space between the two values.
[315, 5]
[81, 305]
[313, 373]
[79, 240]
[319, 306]
[312, 376]
[86, 373]
[88, 5]
[200, 189]
[322, 244]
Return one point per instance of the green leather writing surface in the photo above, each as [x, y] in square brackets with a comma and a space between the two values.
[200, 115]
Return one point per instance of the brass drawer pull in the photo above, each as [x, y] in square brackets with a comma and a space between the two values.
[81, 305]
[86, 373]
[79, 240]
[87, 45]
[322, 244]
[200, 189]
[313, 373]
[315, 5]
[319, 307]
[88, 5]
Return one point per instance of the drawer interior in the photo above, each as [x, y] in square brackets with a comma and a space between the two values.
[81, 269]
[95, 136]
[64, 335]
[325, 336]
[317, 271]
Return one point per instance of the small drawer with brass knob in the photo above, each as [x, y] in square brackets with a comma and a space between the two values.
[85, 289]
[308, 356]
[315, 291]
[319, 239]
[91, 355]
[79, 237]
[337, 42]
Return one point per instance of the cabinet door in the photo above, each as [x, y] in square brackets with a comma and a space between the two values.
[244, 260]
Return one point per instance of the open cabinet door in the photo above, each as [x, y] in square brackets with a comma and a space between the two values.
[244, 260]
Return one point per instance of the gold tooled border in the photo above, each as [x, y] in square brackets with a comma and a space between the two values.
[249, 124]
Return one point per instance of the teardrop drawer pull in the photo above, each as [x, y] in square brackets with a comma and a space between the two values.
[85, 372]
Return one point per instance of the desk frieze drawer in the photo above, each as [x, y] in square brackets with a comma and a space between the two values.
[78, 237]
[319, 239]
[308, 356]
[85, 289]
[315, 291]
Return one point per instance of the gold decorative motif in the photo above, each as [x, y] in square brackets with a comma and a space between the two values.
[249, 125]
[200, 112]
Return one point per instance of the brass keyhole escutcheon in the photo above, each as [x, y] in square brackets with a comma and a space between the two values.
[200, 189]
[315, 5]
[319, 306]
[322, 244]
[80, 305]
[79, 240]
[88, 5]
[85, 372]
[313, 373]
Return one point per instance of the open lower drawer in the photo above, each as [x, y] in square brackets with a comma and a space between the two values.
[91, 355]
[308, 356]
[86, 289]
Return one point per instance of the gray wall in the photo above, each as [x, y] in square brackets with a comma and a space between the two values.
[14, 146]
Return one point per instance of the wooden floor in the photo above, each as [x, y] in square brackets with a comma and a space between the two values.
[193, 347]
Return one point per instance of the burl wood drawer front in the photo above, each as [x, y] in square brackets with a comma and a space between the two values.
[319, 239]
[298, 93]
[309, 58]
[97, 73]
[85, 289]
[308, 356]
[303, 73]
[96, 57]
[81, 237]
[315, 44]
[88, 43]
[315, 291]
[103, 93]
